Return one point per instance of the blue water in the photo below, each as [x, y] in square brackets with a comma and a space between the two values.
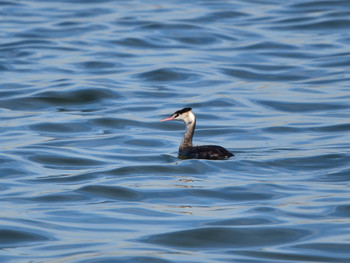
[89, 174]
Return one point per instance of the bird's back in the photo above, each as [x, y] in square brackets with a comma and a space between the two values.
[212, 152]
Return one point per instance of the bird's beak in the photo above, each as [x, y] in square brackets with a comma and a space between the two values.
[168, 119]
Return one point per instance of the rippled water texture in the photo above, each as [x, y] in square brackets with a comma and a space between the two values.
[89, 174]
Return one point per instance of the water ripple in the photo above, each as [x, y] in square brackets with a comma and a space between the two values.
[167, 75]
[217, 237]
[302, 107]
[13, 237]
[87, 168]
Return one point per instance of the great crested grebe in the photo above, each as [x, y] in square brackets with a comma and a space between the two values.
[187, 150]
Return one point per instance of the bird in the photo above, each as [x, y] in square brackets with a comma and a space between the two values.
[186, 149]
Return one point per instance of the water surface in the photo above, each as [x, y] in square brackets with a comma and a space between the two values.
[89, 174]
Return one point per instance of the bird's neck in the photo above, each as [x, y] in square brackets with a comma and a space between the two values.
[187, 139]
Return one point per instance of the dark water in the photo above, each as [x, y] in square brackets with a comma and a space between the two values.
[89, 174]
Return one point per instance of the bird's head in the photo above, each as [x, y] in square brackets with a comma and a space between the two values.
[184, 115]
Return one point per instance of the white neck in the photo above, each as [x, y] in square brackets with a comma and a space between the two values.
[190, 121]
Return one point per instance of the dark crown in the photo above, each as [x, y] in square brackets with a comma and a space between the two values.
[183, 110]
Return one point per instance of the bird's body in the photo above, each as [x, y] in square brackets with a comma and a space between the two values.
[212, 152]
[186, 149]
